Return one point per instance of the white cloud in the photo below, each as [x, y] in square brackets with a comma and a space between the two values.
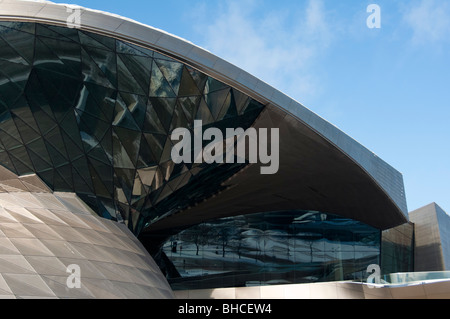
[429, 21]
[278, 47]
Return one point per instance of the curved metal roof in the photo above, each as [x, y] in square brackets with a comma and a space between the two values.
[321, 168]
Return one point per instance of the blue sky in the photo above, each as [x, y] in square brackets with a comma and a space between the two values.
[388, 88]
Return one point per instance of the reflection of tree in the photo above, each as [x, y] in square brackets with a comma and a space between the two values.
[223, 235]
[197, 235]
[211, 234]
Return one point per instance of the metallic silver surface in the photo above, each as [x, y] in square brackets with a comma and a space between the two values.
[44, 234]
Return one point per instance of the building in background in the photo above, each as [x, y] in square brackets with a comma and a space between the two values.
[88, 102]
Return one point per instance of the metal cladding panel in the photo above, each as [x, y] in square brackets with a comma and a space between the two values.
[48, 238]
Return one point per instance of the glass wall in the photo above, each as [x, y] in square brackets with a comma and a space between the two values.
[270, 248]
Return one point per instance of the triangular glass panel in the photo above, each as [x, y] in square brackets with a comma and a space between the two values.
[80, 185]
[137, 105]
[91, 125]
[99, 188]
[172, 71]
[57, 56]
[189, 106]
[159, 87]
[71, 34]
[6, 161]
[164, 108]
[156, 142]
[105, 99]
[90, 39]
[92, 72]
[105, 172]
[216, 100]
[203, 113]
[198, 77]
[68, 52]
[105, 60]
[43, 30]
[123, 117]
[120, 154]
[130, 141]
[21, 160]
[56, 157]
[21, 113]
[17, 47]
[147, 175]
[228, 109]
[71, 135]
[124, 180]
[47, 177]
[179, 120]
[140, 69]
[252, 105]
[87, 137]
[126, 81]
[146, 157]
[15, 73]
[158, 180]
[19, 26]
[139, 189]
[9, 136]
[36, 97]
[80, 165]
[107, 145]
[10, 92]
[40, 164]
[99, 154]
[213, 85]
[166, 154]
[240, 100]
[55, 139]
[88, 105]
[27, 133]
[188, 86]
[63, 179]
[152, 124]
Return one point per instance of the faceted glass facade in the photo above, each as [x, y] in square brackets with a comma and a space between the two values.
[269, 248]
[93, 115]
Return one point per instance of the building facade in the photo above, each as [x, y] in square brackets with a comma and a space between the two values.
[88, 107]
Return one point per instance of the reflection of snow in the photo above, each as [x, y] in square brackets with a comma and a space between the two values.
[235, 244]
[265, 251]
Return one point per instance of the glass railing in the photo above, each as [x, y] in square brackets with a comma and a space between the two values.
[415, 277]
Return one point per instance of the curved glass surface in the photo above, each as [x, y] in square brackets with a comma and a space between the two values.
[93, 115]
[269, 248]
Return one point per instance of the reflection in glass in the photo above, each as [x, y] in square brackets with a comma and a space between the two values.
[270, 248]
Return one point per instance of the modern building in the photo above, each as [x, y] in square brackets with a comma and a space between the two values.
[88, 105]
